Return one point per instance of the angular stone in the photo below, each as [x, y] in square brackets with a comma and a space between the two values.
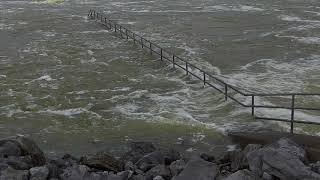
[159, 170]
[158, 178]
[198, 169]
[75, 173]
[124, 175]
[283, 159]
[39, 173]
[239, 160]
[103, 161]
[138, 150]
[138, 177]
[177, 166]
[243, 175]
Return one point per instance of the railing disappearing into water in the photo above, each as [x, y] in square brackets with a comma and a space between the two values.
[228, 90]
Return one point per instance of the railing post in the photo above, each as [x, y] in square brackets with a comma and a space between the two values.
[252, 105]
[141, 42]
[127, 34]
[134, 38]
[115, 27]
[204, 78]
[173, 63]
[121, 31]
[226, 91]
[150, 48]
[187, 71]
[161, 54]
[292, 113]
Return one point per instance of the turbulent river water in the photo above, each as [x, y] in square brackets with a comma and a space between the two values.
[75, 87]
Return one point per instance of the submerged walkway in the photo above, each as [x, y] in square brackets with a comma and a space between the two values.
[229, 91]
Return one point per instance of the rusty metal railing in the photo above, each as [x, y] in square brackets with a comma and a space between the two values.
[213, 81]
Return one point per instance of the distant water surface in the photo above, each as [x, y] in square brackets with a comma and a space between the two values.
[75, 87]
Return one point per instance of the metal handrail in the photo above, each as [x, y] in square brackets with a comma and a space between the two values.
[220, 86]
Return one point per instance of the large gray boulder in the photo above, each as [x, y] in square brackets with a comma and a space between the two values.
[198, 169]
[26, 147]
[39, 173]
[243, 175]
[103, 161]
[283, 159]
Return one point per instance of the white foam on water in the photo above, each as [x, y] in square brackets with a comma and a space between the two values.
[10, 110]
[6, 26]
[94, 32]
[72, 112]
[48, 1]
[296, 19]
[241, 8]
[90, 52]
[276, 76]
[306, 40]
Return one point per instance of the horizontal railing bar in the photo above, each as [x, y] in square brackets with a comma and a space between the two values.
[273, 119]
[288, 120]
[284, 94]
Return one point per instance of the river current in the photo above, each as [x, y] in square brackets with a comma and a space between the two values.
[76, 87]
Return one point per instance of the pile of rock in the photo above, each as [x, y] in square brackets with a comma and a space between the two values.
[21, 159]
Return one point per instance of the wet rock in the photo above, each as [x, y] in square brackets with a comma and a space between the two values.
[207, 157]
[315, 167]
[103, 161]
[239, 160]
[29, 147]
[198, 169]
[157, 157]
[12, 174]
[18, 163]
[283, 159]
[129, 166]
[138, 177]
[177, 166]
[23, 146]
[75, 173]
[266, 176]
[159, 170]
[243, 175]
[54, 170]
[124, 175]
[39, 173]
[8, 148]
[158, 178]
[67, 160]
[138, 150]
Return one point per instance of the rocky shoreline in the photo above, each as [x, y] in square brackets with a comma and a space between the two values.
[22, 159]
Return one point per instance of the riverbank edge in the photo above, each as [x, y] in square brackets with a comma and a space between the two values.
[263, 156]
